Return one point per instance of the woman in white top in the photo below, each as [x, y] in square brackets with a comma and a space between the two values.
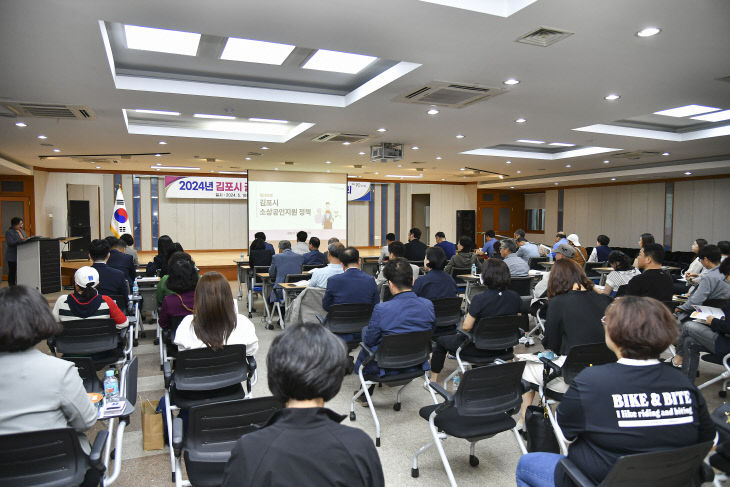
[214, 323]
[696, 267]
[622, 273]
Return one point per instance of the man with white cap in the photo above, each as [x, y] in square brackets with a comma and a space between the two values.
[86, 303]
[580, 253]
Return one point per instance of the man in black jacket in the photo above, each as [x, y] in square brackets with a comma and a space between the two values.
[415, 249]
[112, 282]
[120, 260]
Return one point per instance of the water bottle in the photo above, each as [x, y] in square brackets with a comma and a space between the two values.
[548, 354]
[456, 381]
[473, 269]
[111, 386]
[135, 289]
[243, 257]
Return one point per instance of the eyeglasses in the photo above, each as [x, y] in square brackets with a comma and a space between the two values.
[603, 320]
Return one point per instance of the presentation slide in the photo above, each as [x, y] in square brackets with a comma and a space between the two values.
[281, 209]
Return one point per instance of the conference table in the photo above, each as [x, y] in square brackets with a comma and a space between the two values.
[243, 270]
[291, 291]
[370, 265]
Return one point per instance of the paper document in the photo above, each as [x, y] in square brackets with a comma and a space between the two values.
[701, 313]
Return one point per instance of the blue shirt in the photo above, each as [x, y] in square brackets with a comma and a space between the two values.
[321, 276]
[435, 284]
[314, 257]
[405, 313]
[350, 287]
[559, 243]
[283, 264]
[528, 250]
[489, 247]
[270, 248]
[449, 248]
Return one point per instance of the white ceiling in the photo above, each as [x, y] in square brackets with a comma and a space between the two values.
[52, 52]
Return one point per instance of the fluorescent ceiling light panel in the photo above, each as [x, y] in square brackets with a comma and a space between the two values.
[583, 151]
[158, 112]
[529, 141]
[714, 117]
[267, 120]
[500, 8]
[215, 117]
[338, 62]
[686, 111]
[561, 144]
[231, 172]
[399, 176]
[656, 134]
[250, 51]
[180, 168]
[161, 40]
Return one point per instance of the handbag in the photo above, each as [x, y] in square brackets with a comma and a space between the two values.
[540, 434]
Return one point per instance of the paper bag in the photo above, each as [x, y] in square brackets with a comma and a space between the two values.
[152, 431]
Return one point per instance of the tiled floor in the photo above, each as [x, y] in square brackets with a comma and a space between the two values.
[403, 432]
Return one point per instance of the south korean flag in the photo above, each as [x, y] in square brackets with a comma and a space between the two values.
[120, 219]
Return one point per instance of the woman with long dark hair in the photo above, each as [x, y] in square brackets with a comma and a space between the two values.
[180, 282]
[164, 242]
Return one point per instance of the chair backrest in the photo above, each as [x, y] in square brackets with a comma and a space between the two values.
[149, 299]
[589, 266]
[86, 337]
[87, 372]
[460, 271]
[404, 350]
[47, 457]
[582, 356]
[497, 332]
[260, 270]
[490, 390]
[669, 468]
[260, 257]
[206, 369]
[348, 318]
[448, 312]
[521, 285]
[297, 277]
[534, 262]
[309, 267]
[128, 384]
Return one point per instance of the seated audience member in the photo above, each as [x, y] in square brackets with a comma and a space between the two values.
[496, 300]
[314, 256]
[86, 303]
[564, 251]
[129, 249]
[37, 391]
[301, 246]
[397, 249]
[580, 256]
[623, 272]
[497, 251]
[330, 242]
[696, 267]
[162, 287]
[262, 236]
[436, 283]
[159, 262]
[448, 247]
[489, 241]
[405, 313]
[464, 257]
[601, 250]
[526, 249]
[284, 263]
[712, 285]
[181, 282]
[573, 318]
[112, 282]
[711, 336]
[724, 246]
[519, 233]
[638, 330]
[120, 260]
[353, 285]
[305, 444]
[560, 239]
[415, 249]
[653, 282]
[214, 322]
[321, 276]
[384, 252]
[517, 266]
[644, 239]
[258, 254]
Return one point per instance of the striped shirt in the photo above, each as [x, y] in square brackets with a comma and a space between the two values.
[105, 308]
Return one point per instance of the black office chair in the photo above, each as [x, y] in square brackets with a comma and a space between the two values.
[256, 287]
[404, 351]
[87, 372]
[308, 267]
[460, 271]
[681, 467]
[297, 277]
[213, 430]
[98, 339]
[348, 318]
[480, 408]
[534, 263]
[167, 337]
[448, 316]
[588, 269]
[49, 458]
[521, 285]
[724, 377]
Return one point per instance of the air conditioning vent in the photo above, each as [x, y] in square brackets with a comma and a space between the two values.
[96, 160]
[255, 154]
[446, 94]
[635, 155]
[543, 36]
[340, 137]
[38, 110]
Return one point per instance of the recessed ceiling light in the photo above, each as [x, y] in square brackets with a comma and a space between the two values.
[382, 129]
[250, 51]
[216, 117]
[519, 172]
[687, 173]
[665, 153]
[521, 120]
[511, 81]
[162, 40]
[432, 111]
[21, 124]
[162, 142]
[376, 172]
[501, 177]
[508, 162]
[555, 184]
[438, 158]
[442, 179]
[686, 111]
[264, 148]
[462, 169]
[328, 170]
[42, 137]
[328, 162]
[98, 167]
[158, 164]
[157, 112]
[276, 169]
[612, 97]
[346, 143]
[648, 31]
[56, 150]
[248, 158]
[459, 136]
[339, 62]
[613, 179]
[415, 147]
[561, 144]
[400, 165]
[157, 169]
[568, 165]
[157, 155]
[267, 120]
[511, 187]
[179, 168]
[529, 141]
[606, 161]
[714, 117]
[361, 153]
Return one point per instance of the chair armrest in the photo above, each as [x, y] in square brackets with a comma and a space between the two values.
[371, 354]
[555, 370]
[321, 319]
[468, 335]
[177, 435]
[97, 450]
[167, 372]
[441, 391]
[572, 471]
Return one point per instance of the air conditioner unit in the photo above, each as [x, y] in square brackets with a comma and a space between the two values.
[386, 152]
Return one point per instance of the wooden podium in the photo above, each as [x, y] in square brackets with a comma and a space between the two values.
[39, 264]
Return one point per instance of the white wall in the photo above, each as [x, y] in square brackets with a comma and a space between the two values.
[445, 200]
[701, 211]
